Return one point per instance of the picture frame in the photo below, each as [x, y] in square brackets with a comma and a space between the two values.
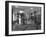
[19, 5]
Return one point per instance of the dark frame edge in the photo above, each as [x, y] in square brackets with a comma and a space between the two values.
[6, 18]
[24, 2]
[44, 18]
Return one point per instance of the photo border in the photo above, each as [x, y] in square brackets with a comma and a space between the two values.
[7, 17]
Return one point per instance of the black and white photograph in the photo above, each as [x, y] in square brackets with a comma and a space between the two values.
[24, 18]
